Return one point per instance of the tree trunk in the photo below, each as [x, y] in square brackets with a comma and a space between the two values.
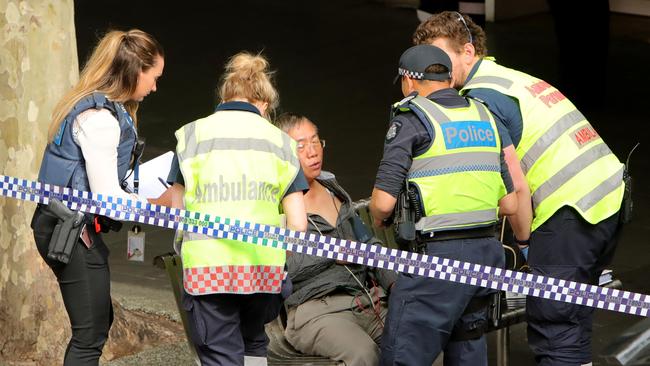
[38, 63]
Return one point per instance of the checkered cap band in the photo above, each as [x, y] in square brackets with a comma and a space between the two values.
[411, 74]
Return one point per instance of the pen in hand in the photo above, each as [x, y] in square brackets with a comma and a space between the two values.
[163, 182]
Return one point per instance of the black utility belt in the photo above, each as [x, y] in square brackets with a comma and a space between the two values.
[481, 232]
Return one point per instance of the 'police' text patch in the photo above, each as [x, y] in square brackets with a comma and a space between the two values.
[468, 134]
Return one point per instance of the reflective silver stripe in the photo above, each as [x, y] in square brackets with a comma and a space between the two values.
[455, 160]
[482, 110]
[289, 154]
[286, 143]
[189, 236]
[456, 219]
[190, 140]
[602, 190]
[502, 82]
[429, 107]
[569, 171]
[192, 149]
[292, 157]
[549, 137]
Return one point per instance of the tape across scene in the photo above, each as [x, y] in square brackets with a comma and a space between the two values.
[333, 248]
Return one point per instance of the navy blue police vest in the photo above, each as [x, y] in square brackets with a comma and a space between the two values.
[63, 162]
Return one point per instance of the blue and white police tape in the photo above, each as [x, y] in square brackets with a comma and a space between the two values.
[333, 248]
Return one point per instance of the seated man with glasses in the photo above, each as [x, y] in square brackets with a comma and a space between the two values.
[337, 309]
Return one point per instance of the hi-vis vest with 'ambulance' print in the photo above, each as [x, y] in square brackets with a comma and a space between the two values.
[235, 165]
[565, 161]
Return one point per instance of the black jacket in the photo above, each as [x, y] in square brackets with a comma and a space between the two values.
[314, 277]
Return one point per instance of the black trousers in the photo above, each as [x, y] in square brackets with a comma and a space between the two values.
[85, 288]
[567, 247]
[226, 327]
[423, 312]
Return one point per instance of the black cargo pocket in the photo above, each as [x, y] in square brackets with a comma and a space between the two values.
[97, 254]
[394, 326]
[547, 310]
[198, 330]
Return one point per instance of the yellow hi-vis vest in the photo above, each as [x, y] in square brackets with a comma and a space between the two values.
[565, 161]
[459, 176]
[235, 165]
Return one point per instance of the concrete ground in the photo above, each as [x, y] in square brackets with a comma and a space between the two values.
[335, 63]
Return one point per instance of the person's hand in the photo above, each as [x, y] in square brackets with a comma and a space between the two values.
[165, 198]
[523, 246]
[385, 223]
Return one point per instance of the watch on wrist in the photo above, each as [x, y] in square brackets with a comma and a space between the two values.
[521, 242]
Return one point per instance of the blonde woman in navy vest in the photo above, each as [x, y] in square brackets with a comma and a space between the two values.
[92, 140]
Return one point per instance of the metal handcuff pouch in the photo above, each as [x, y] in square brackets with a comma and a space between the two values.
[66, 232]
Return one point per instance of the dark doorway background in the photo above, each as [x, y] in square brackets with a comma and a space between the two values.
[335, 62]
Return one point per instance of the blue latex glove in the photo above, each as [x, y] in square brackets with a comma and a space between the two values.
[524, 251]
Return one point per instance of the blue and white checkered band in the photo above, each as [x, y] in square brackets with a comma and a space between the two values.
[411, 74]
[333, 248]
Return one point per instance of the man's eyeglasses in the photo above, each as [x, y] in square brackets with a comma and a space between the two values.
[462, 20]
[316, 144]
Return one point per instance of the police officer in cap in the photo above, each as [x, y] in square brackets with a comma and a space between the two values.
[447, 148]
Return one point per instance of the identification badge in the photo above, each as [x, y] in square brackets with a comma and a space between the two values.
[135, 244]
[85, 238]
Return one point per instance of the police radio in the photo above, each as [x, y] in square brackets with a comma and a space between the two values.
[406, 214]
[627, 206]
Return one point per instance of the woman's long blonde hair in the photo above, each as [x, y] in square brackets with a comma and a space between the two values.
[247, 76]
[113, 69]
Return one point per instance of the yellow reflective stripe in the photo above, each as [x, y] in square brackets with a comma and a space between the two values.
[459, 219]
[569, 171]
[602, 190]
[202, 250]
[556, 131]
[502, 82]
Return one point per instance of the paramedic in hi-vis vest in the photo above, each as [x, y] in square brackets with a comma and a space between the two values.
[235, 164]
[575, 180]
[445, 149]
